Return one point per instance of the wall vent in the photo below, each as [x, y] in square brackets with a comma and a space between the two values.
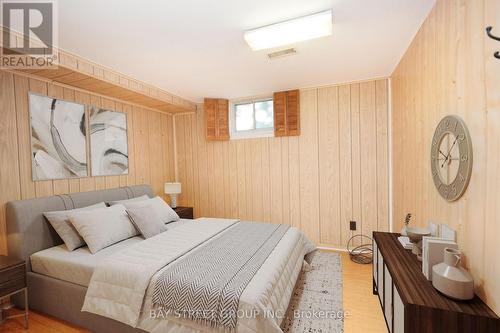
[282, 53]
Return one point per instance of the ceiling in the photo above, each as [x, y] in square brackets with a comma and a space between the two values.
[195, 48]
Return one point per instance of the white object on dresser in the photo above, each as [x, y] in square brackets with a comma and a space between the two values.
[432, 253]
[451, 279]
[433, 228]
[405, 242]
[446, 232]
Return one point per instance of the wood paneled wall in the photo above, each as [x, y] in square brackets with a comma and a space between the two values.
[150, 135]
[442, 73]
[334, 172]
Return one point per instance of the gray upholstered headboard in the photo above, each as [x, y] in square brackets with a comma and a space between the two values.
[27, 229]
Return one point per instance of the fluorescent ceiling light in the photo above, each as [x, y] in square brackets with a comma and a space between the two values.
[291, 31]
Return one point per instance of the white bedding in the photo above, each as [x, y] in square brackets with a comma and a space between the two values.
[78, 266]
[74, 266]
[121, 288]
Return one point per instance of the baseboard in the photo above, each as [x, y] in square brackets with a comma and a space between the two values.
[328, 248]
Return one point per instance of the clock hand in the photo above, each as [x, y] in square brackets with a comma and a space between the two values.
[445, 158]
[444, 162]
[453, 145]
[449, 153]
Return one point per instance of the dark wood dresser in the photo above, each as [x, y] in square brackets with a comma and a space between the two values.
[409, 301]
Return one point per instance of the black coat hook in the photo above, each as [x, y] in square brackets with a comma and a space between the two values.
[488, 31]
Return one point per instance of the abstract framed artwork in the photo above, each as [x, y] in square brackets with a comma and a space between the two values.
[108, 142]
[58, 138]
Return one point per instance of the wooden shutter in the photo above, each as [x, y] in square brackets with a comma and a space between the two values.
[287, 113]
[293, 112]
[210, 108]
[223, 119]
[279, 110]
[216, 119]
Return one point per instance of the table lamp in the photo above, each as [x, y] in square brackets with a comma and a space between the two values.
[173, 189]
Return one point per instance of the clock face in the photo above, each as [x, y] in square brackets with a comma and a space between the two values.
[451, 158]
[448, 161]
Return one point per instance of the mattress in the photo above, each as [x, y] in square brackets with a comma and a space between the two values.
[78, 266]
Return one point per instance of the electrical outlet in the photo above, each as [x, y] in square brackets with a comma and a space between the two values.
[352, 225]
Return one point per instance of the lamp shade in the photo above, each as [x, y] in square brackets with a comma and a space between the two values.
[172, 188]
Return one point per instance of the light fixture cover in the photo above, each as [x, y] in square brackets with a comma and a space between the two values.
[172, 188]
[291, 31]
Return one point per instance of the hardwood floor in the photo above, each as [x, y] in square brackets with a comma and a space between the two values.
[364, 307]
[39, 323]
[364, 313]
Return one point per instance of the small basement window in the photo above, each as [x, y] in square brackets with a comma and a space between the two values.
[252, 118]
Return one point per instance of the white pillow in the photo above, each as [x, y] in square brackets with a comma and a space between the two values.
[60, 222]
[146, 220]
[161, 208]
[103, 227]
[121, 202]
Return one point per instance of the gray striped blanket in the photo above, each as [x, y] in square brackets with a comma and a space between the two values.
[205, 285]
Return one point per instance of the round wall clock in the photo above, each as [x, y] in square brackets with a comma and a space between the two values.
[451, 157]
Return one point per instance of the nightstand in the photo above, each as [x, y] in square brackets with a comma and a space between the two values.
[184, 212]
[13, 281]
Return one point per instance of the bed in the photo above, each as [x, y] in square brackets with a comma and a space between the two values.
[60, 285]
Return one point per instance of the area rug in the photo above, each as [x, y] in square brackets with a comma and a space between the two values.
[316, 303]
